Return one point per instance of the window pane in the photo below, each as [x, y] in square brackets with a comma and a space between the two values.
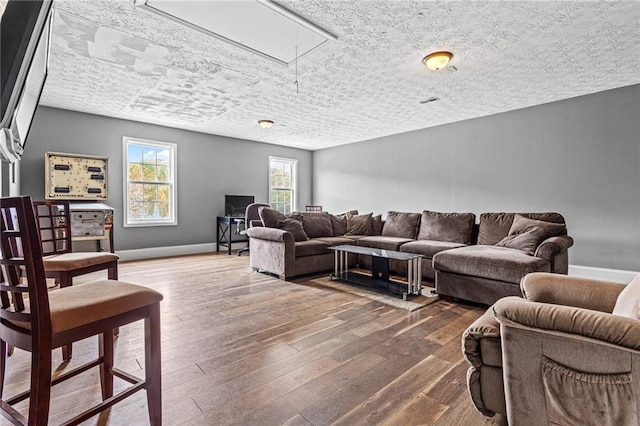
[135, 192]
[163, 193]
[149, 155]
[163, 210]
[149, 173]
[135, 171]
[163, 156]
[134, 154]
[136, 210]
[150, 193]
[162, 174]
[149, 210]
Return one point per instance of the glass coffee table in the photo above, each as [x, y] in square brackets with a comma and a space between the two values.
[379, 277]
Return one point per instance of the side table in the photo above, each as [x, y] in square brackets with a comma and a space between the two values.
[227, 228]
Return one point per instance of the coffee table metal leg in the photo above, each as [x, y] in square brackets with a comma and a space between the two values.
[419, 275]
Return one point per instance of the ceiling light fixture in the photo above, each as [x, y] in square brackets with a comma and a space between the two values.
[265, 124]
[437, 60]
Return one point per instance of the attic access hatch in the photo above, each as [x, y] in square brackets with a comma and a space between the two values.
[259, 26]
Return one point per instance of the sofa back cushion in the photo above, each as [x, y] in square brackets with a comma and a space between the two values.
[401, 225]
[450, 227]
[359, 224]
[377, 223]
[495, 226]
[628, 302]
[315, 224]
[339, 222]
[270, 217]
[526, 234]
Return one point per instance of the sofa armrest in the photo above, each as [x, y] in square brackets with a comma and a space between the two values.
[487, 326]
[571, 291]
[613, 329]
[482, 350]
[270, 234]
[553, 246]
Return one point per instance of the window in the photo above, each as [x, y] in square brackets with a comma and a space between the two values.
[282, 184]
[150, 183]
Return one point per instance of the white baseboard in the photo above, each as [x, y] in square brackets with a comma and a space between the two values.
[153, 252]
[616, 275]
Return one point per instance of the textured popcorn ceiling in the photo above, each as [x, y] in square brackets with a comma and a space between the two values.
[111, 58]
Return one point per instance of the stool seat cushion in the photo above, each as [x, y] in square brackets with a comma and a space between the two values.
[71, 261]
[84, 304]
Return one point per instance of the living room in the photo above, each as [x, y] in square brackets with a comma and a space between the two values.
[564, 138]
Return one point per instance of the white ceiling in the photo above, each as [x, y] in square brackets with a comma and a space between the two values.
[111, 58]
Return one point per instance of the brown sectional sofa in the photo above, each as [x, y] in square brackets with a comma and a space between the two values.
[460, 256]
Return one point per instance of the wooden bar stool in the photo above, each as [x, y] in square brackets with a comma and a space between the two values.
[54, 225]
[35, 320]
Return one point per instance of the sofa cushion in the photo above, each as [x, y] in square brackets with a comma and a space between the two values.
[628, 302]
[452, 227]
[376, 224]
[428, 248]
[339, 222]
[359, 224]
[495, 226]
[527, 234]
[310, 248]
[316, 224]
[336, 241]
[491, 262]
[401, 225]
[382, 242]
[270, 217]
[293, 226]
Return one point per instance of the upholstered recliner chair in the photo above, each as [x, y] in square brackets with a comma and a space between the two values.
[566, 354]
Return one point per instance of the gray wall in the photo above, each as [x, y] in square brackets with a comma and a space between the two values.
[208, 168]
[579, 157]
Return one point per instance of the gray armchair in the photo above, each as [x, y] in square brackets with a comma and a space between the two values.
[558, 356]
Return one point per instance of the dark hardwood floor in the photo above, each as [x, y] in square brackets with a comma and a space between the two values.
[244, 348]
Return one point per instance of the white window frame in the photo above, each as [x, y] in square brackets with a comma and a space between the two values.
[173, 199]
[294, 183]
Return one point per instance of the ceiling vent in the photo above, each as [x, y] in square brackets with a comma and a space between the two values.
[258, 26]
[429, 100]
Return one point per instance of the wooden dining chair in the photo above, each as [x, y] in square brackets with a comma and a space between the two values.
[54, 225]
[35, 320]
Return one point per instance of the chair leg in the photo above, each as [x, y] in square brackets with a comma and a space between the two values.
[66, 280]
[4, 353]
[112, 272]
[105, 350]
[152, 365]
[40, 390]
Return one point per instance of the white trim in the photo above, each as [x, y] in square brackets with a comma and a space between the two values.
[153, 252]
[604, 274]
[173, 166]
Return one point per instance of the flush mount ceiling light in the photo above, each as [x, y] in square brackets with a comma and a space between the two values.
[265, 124]
[262, 27]
[437, 60]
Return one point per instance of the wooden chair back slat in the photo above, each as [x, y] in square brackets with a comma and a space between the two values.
[22, 269]
[54, 224]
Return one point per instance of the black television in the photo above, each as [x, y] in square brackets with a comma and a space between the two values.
[235, 205]
[25, 34]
